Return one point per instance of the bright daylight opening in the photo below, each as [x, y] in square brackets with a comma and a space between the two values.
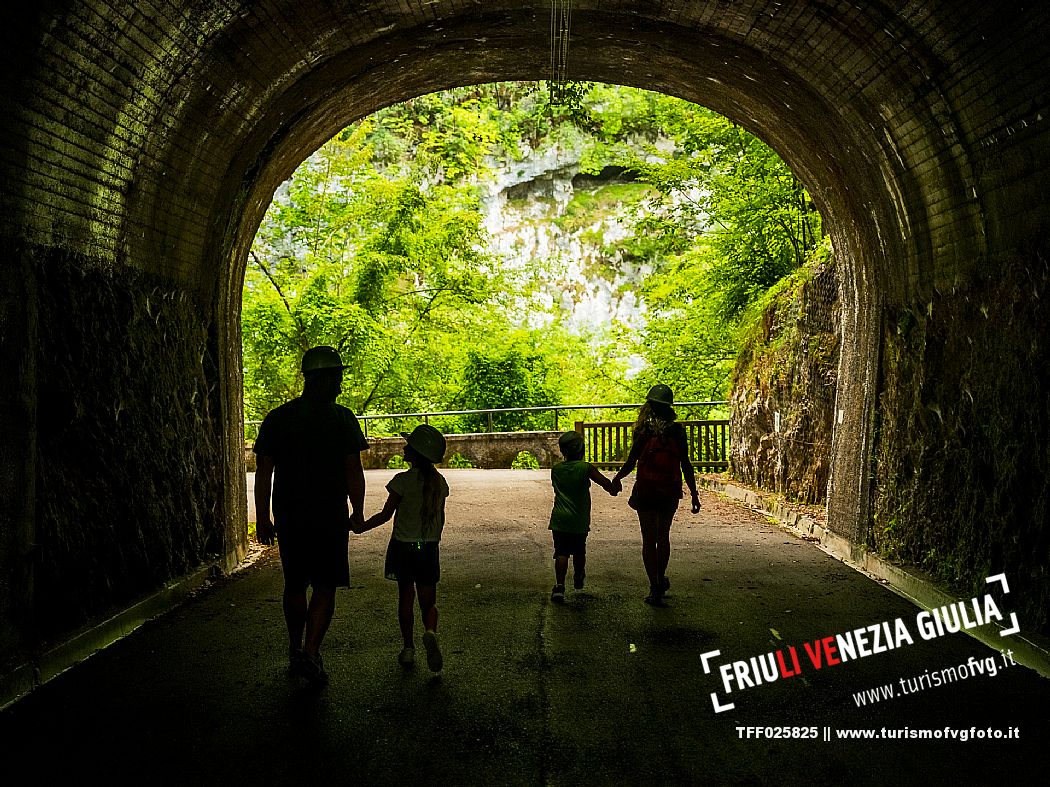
[479, 249]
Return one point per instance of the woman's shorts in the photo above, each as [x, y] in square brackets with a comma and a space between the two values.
[651, 502]
[572, 545]
[313, 556]
[413, 561]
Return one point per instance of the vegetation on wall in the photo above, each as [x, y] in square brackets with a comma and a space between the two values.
[784, 385]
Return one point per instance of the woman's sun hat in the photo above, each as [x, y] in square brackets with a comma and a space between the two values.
[426, 441]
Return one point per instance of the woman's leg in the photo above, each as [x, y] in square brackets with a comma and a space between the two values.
[650, 524]
[663, 544]
[406, 596]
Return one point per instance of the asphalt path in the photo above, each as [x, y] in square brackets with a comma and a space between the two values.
[601, 690]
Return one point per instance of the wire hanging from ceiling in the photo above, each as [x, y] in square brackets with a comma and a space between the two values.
[563, 91]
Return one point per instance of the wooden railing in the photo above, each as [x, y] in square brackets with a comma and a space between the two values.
[609, 442]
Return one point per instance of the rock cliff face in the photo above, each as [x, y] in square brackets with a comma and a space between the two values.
[560, 233]
[544, 210]
[783, 391]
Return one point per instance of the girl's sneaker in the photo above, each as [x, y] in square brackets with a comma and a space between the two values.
[407, 657]
[558, 594]
[434, 659]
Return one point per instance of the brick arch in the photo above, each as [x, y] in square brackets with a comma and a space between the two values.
[144, 144]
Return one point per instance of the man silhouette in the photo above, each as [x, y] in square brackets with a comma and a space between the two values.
[311, 449]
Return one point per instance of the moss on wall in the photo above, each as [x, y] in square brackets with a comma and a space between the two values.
[129, 462]
[962, 446]
[783, 389]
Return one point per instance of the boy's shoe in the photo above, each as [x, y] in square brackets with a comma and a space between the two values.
[577, 580]
[558, 594]
[665, 585]
[434, 659]
[311, 668]
[407, 658]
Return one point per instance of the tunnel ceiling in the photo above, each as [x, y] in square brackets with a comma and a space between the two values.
[155, 133]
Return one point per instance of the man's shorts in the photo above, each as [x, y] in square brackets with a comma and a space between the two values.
[570, 544]
[413, 561]
[314, 556]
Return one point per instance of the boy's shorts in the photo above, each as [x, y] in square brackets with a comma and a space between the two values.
[413, 561]
[569, 544]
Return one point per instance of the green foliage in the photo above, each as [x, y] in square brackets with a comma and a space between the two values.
[459, 462]
[517, 375]
[376, 246]
[525, 460]
[397, 462]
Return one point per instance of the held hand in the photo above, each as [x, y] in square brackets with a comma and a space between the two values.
[357, 522]
[264, 532]
[696, 503]
[617, 487]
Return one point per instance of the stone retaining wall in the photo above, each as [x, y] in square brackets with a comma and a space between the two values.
[491, 450]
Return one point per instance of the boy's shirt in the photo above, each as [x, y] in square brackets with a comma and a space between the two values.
[572, 496]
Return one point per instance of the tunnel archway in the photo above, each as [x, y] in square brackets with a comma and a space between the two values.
[142, 152]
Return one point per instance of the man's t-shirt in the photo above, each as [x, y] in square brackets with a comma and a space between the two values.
[572, 496]
[408, 521]
[309, 441]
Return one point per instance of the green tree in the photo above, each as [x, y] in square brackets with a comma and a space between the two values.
[376, 265]
[515, 375]
[376, 246]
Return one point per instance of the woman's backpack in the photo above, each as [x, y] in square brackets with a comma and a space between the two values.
[660, 467]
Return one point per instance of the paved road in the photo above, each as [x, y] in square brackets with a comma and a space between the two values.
[602, 690]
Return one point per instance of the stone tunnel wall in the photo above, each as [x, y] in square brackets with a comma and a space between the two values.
[151, 136]
[783, 390]
[128, 458]
[962, 443]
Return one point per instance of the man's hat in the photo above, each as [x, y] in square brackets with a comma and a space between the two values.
[661, 394]
[570, 441]
[426, 441]
[319, 358]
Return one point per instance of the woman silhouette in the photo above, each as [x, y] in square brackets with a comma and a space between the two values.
[661, 453]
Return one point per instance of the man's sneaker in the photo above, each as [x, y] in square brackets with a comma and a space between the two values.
[407, 658]
[311, 668]
[665, 585]
[577, 580]
[295, 655]
[558, 594]
[434, 659]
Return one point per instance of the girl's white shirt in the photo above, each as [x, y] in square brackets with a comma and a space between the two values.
[408, 520]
